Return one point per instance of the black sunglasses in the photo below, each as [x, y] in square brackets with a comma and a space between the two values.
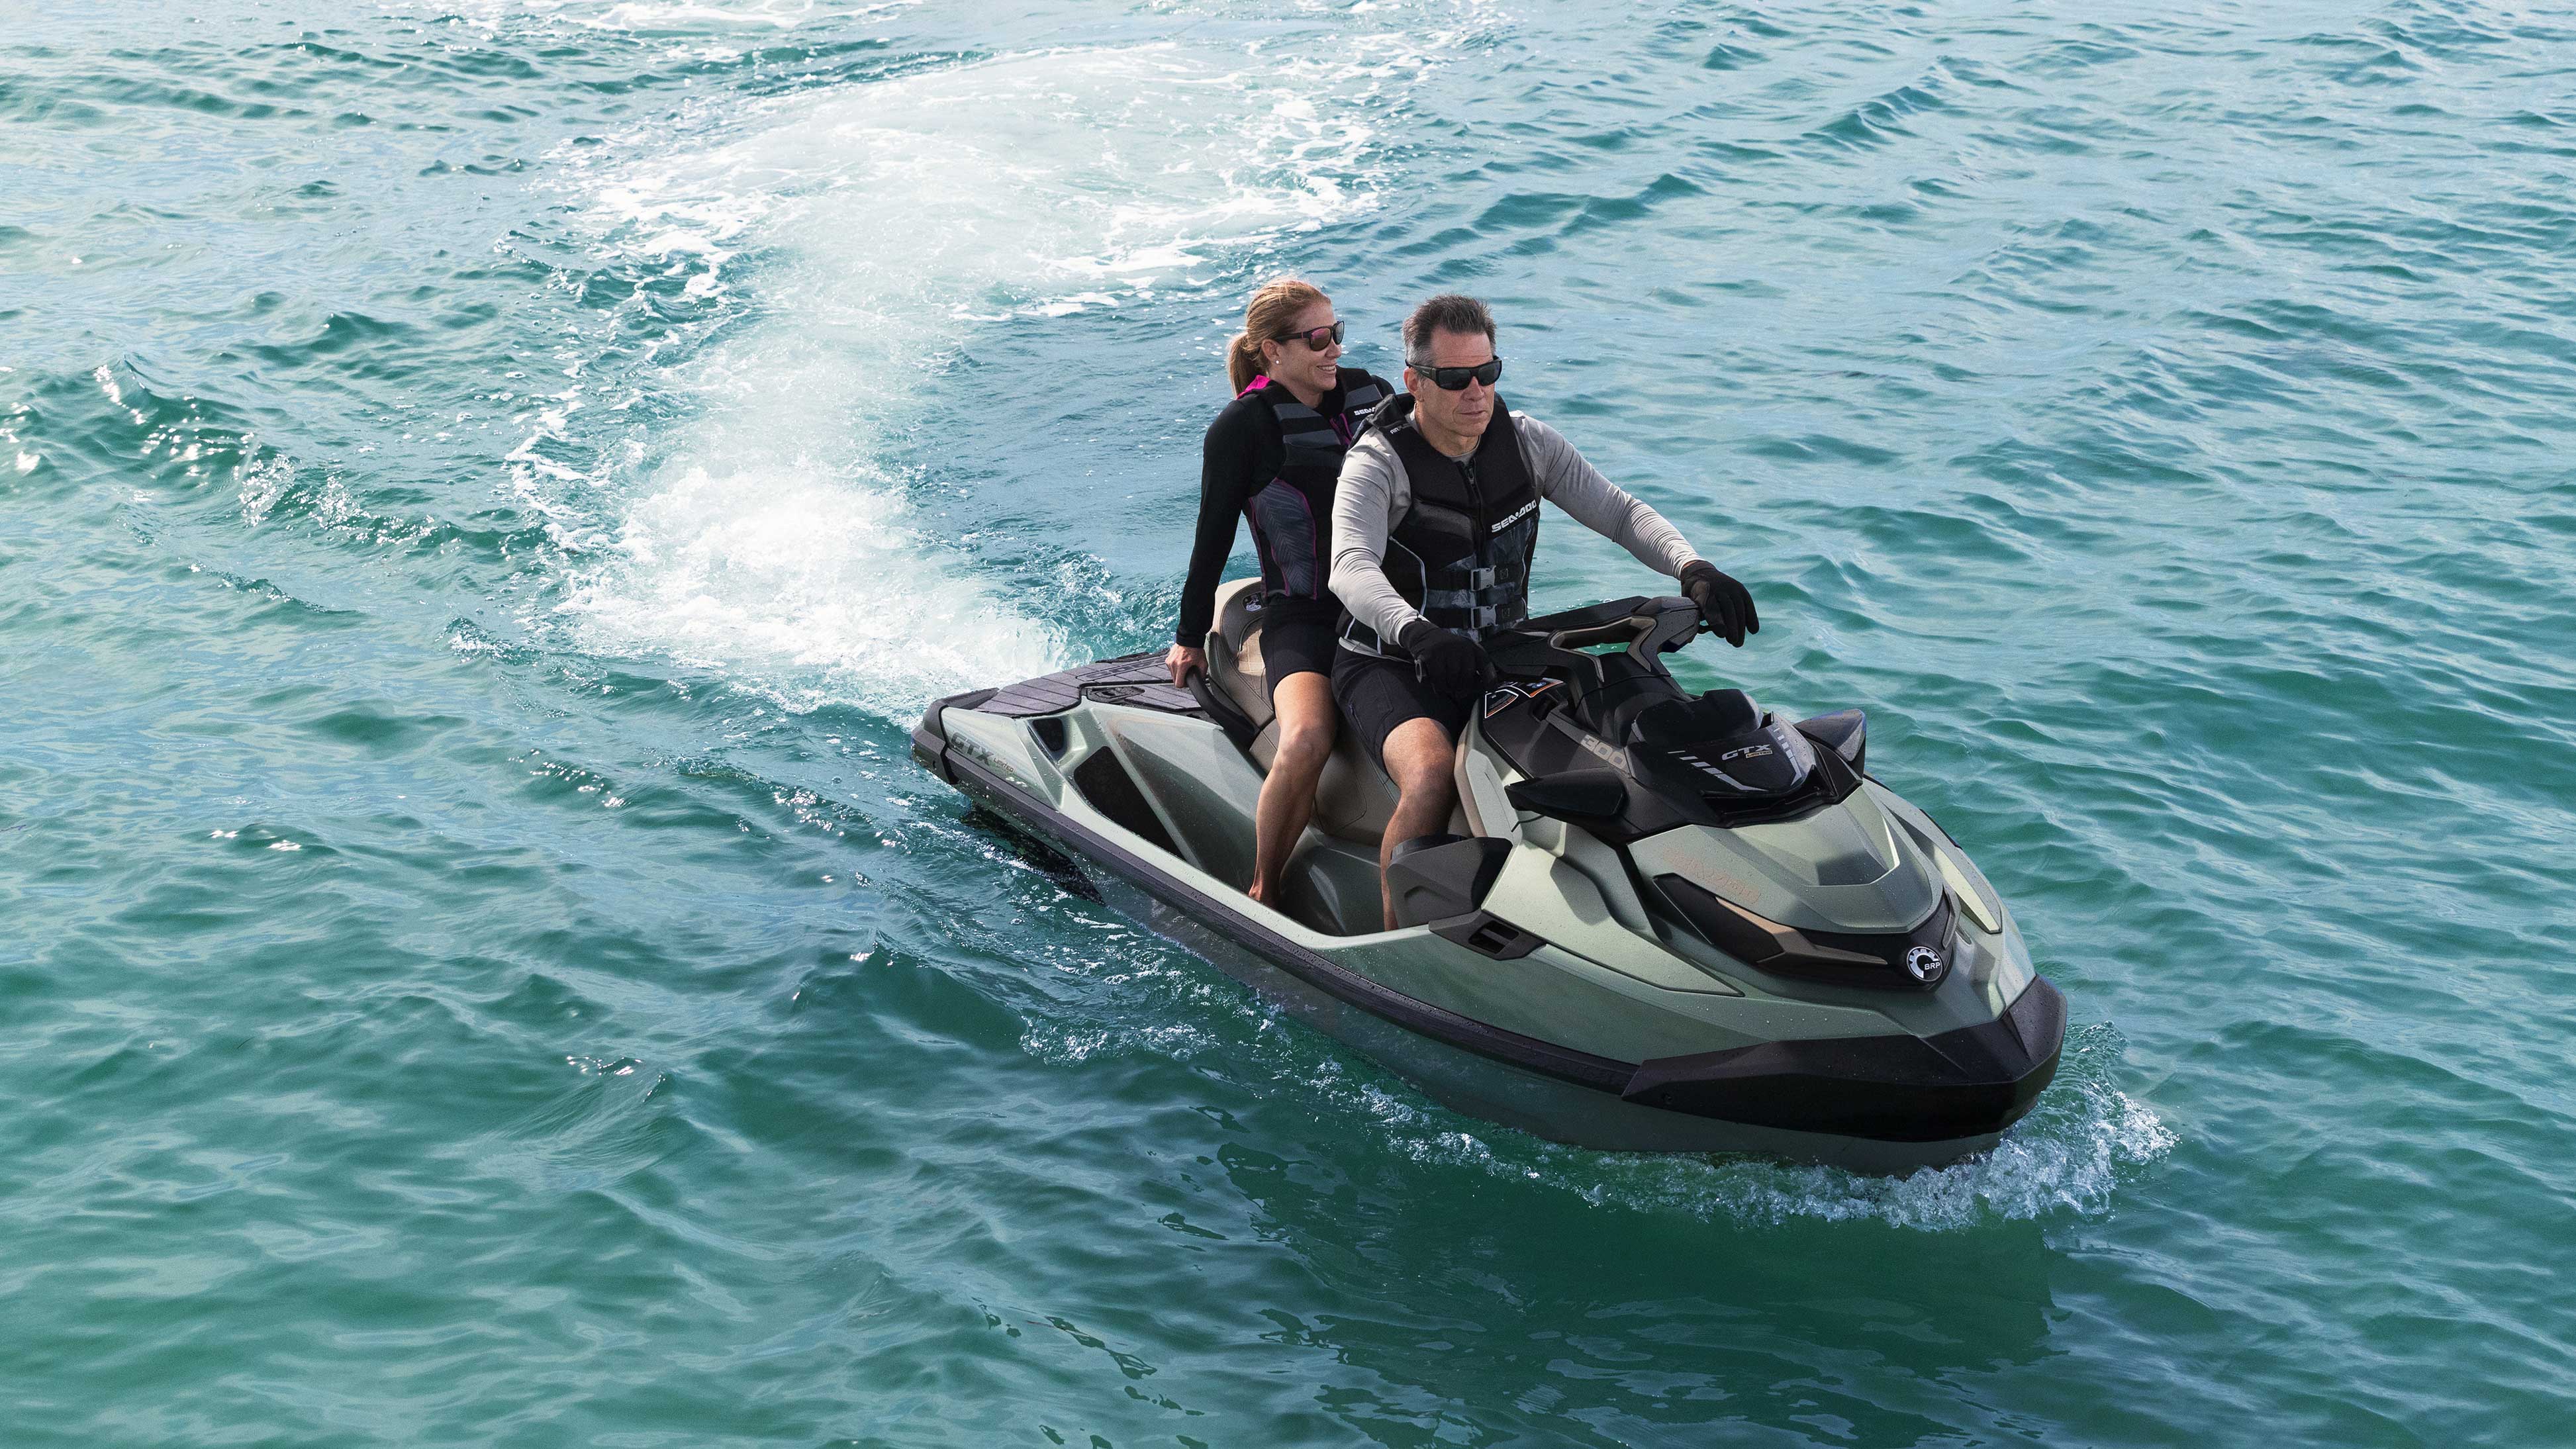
[1455, 379]
[1318, 339]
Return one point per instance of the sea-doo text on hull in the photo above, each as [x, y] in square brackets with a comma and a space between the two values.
[1660, 922]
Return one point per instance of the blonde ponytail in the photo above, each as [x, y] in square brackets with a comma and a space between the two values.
[1242, 361]
[1273, 308]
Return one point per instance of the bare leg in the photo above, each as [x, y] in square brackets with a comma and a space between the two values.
[1304, 702]
[1418, 759]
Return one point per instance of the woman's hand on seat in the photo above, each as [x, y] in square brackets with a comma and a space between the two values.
[1182, 660]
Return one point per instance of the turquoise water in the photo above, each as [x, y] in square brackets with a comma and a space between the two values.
[485, 490]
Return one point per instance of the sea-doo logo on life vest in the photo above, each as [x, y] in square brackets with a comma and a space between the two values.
[1524, 511]
[1925, 965]
[1610, 754]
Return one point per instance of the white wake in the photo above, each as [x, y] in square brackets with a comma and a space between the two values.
[850, 240]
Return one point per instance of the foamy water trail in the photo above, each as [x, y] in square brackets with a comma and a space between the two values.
[864, 233]
[693, 20]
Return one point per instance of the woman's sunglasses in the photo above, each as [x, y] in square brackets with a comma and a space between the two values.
[1318, 339]
[1455, 379]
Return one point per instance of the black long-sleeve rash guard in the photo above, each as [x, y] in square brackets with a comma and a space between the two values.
[1241, 454]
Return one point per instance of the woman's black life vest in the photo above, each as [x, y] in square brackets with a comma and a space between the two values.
[1292, 514]
[1461, 553]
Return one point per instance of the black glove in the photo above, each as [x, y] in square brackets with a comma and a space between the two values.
[1451, 663]
[1724, 605]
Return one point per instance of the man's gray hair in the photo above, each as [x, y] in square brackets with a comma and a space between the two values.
[1449, 312]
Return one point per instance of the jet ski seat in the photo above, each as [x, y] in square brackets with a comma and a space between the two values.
[1235, 665]
[1355, 798]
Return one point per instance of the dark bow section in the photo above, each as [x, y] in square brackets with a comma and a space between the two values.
[1961, 1083]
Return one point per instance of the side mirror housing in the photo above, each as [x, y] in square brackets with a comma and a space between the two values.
[1845, 732]
[1573, 795]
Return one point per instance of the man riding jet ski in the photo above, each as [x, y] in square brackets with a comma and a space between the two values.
[1609, 912]
[1434, 528]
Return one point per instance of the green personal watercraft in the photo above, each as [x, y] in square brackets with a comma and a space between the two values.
[1659, 922]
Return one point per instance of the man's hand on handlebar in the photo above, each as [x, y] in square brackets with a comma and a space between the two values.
[1725, 605]
[1451, 663]
[1184, 661]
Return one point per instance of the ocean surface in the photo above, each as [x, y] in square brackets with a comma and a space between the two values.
[485, 490]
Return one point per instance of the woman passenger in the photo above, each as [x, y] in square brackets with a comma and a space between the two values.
[1272, 457]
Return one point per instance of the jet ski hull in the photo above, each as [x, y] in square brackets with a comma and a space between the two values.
[1476, 1026]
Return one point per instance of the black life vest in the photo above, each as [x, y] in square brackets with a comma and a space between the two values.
[1292, 514]
[1461, 552]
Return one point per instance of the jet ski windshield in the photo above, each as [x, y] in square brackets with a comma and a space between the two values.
[1588, 688]
[1722, 740]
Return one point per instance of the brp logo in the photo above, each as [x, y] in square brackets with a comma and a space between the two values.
[1926, 965]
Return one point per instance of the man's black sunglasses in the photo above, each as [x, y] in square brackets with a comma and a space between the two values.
[1455, 379]
[1318, 339]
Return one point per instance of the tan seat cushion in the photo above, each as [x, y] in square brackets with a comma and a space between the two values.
[1234, 653]
[1354, 798]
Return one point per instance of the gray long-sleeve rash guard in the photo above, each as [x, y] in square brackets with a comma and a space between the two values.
[1374, 493]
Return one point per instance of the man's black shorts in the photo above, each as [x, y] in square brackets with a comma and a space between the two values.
[1377, 695]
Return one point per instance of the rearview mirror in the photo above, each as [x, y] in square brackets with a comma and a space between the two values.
[1573, 795]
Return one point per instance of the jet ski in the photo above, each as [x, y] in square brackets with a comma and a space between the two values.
[1659, 922]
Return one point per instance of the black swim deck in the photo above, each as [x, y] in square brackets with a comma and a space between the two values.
[1140, 680]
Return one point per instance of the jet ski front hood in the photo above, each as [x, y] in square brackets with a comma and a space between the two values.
[1846, 867]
